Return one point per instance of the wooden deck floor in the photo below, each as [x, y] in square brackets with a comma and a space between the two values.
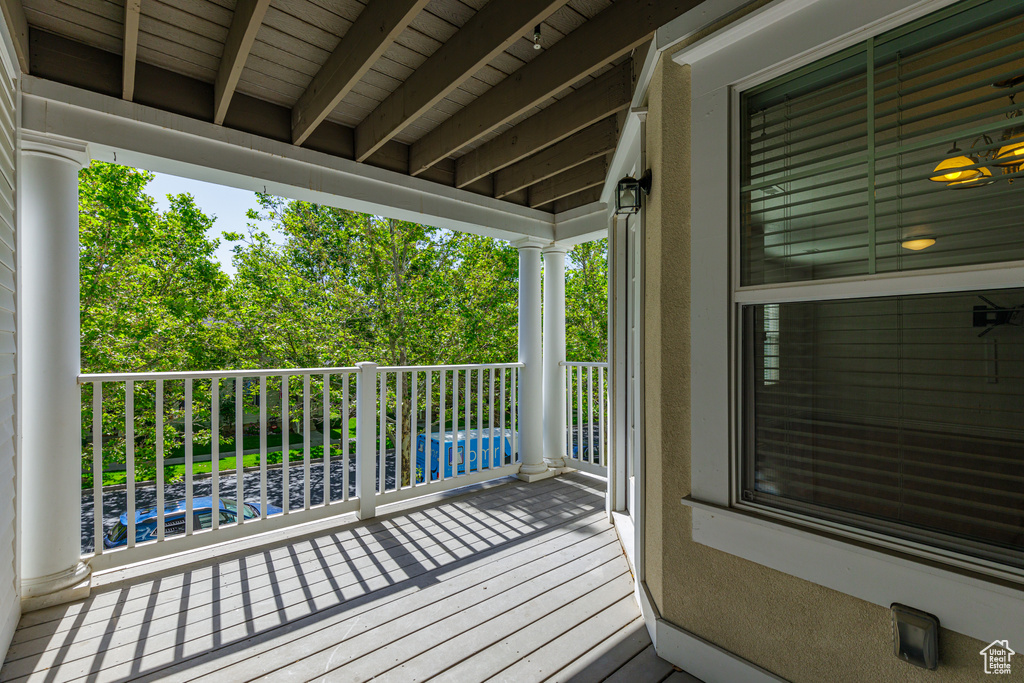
[518, 582]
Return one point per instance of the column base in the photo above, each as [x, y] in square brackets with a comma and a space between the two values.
[555, 463]
[531, 477]
[73, 584]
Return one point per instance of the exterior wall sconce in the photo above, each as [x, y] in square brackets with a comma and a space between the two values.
[627, 193]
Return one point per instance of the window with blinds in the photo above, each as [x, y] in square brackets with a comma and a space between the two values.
[838, 159]
[901, 414]
[905, 413]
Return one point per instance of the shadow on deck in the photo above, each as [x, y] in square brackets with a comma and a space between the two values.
[517, 582]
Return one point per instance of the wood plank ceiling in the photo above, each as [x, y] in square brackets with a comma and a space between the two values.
[450, 90]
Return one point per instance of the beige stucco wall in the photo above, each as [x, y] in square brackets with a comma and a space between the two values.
[794, 628]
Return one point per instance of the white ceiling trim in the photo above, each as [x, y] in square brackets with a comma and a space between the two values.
[160, 141]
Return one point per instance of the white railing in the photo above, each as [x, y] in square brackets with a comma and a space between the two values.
[413, 428]
[586, 424]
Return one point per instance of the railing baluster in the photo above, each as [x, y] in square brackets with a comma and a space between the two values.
[515, 415]
[189, 526]
[263, 447]
[501, 406]
[568, 413]
[479, 420]
[442, 403]
[456, 405]
[345, 432]
[159, 460]
[413, 431]
[97, 466]
[382, 446]
[305, 440]
[601, 407]
[467, 419]
[579, 411]
[590, 411]
[129, 457]
[215, 452]
[428, 429]
[239, 451]
[490, 420]
[286, 488]
[399, 407]
[326, 428]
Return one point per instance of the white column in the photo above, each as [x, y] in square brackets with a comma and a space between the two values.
[49, 364]
[531, 377]
[554, 355]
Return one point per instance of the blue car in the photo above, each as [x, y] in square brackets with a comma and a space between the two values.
[174, 519]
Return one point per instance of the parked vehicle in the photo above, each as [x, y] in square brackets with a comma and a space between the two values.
[174, 519]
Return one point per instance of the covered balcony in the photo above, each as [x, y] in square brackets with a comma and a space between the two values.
[799, 458]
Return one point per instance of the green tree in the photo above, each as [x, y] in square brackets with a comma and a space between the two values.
[151, 289]
[151, 295]
[586, 302]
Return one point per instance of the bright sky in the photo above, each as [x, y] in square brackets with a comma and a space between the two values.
[227, 204]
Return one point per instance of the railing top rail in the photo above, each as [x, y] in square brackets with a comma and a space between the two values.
[470, 366]
[207, 374]
[274, 372]
[579, 364]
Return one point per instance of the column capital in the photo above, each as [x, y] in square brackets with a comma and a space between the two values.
[556, 248]
[66, 149]
[530, 243]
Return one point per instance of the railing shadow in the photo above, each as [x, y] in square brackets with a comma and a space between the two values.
[379, 559]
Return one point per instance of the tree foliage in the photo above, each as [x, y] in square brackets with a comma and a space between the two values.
[343, 287]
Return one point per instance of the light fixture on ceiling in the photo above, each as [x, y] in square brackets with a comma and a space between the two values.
[1010, 157]
[536, 37]
[918, 244]
[961, 171]
[956, 166]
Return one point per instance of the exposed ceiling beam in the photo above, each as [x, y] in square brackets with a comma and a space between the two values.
[487, 34]
[582, 177]
[590, 143]
[245, 24]
[17, 26]
[376, 27]
[609, 35]
[573, 201]
[132, 10]
[605, 95]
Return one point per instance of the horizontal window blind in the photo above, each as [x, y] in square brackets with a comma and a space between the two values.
[903, 415]
[837, 157]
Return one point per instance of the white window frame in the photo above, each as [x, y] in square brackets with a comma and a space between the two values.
[979, 598]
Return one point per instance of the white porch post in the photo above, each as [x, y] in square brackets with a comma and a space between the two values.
[531, 377]
[554, 356]
[51, 429]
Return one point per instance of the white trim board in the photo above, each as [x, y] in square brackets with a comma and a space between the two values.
[980, 608]
[582, 224]
[694, 655]
[170, 143]
[704, 659]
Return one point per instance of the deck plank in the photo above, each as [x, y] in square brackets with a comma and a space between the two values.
[426, 529]
[646, 666]
[520, 581]
[249, 609]
[614, 652]
[283, 581]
